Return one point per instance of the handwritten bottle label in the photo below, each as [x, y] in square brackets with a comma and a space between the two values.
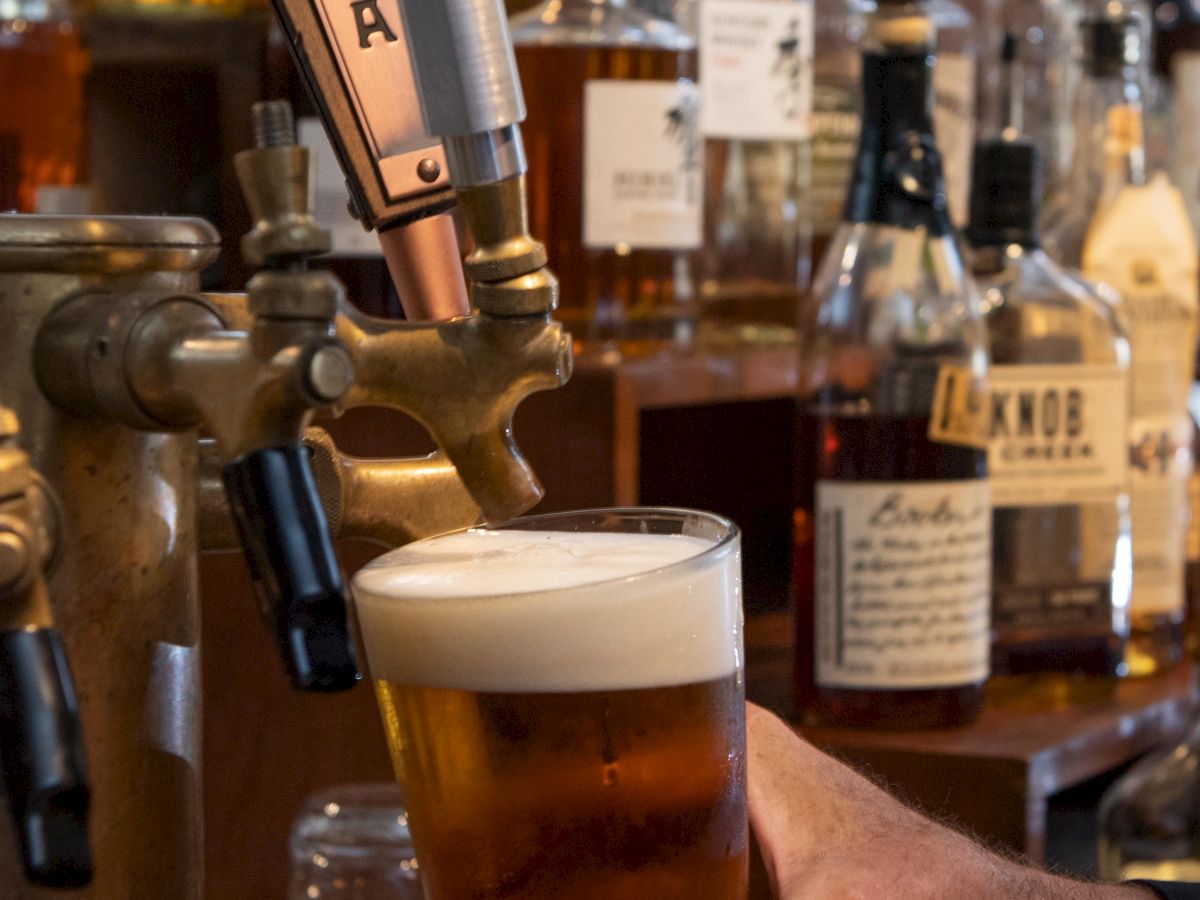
[1057, 434]
[756, 65]
[642, 165]
[903, 583]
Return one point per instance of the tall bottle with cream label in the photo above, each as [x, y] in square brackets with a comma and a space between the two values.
[1131, 232]
[893, 517]
[1057, 448]
[616, 181]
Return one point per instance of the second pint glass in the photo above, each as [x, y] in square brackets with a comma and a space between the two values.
[564, 704]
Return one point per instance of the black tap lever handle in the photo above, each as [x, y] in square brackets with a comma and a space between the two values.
[279, 516]
[41, 754]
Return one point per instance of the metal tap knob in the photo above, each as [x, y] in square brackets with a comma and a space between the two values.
[41, 746]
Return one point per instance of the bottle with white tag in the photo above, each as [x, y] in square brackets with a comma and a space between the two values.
[1130, 230]
[893, 520]
[616, 179]
[756, 80]
[1057, 447]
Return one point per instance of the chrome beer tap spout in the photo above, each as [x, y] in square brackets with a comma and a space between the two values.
[174, 362]
[41, 744]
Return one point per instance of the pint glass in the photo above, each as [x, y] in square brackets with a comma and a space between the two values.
[563, 699]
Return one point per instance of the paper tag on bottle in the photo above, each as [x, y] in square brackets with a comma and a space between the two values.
[954, 127]
[642, 165]
[903, 583]
[959, 412]
[1057, 434]
[756, 68]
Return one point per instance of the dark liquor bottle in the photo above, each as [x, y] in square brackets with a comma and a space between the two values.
[615, 181]
[1057, 448]
[893, 519]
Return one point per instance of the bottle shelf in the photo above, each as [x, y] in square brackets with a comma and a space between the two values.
[996, 776]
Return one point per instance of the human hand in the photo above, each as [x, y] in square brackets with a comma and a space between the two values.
[828, 833]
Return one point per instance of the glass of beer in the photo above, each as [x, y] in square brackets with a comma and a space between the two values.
[564, 704]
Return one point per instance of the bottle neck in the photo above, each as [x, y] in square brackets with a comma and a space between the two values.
[1110, 149]
[897, 177]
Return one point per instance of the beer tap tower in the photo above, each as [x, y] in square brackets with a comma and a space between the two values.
[116, 365]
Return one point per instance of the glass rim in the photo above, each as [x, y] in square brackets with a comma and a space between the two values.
[731, 533]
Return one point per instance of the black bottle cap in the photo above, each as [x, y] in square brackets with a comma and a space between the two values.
[1006, 190]
[1110, 43]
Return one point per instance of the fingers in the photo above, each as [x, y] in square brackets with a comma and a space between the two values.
[776, 788]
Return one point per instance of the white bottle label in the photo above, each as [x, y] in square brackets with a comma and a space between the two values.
[1142, 244]
[642, 165]
[756, 69]
[1057, 434]
[954, 127]
[903, 583]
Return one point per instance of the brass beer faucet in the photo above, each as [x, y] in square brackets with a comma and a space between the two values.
[171, 362]
[41, 747]
[168, 420]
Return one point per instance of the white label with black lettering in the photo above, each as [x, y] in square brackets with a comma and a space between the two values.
[903, 583]
[1057, 434]
[642, 165]
[756, 66]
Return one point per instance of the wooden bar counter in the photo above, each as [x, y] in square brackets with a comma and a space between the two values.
[994, 777]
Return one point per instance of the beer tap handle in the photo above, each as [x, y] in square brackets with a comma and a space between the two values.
[41, 739]
[274, 502]
[41, 750]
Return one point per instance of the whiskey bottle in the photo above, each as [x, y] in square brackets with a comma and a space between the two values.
[892, 522]
[1131, 232]
[1057, 446]
[43, 139]
[615, 179]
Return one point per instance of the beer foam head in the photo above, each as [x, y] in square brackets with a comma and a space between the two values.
[542, 611]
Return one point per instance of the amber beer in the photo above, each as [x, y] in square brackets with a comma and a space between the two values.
[565, 708]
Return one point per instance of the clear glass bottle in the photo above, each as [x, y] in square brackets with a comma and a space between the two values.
[1057, 452]
[43, 138]
[892, 522]
[1149, 819]
[1131, 232]
[837, 111]
[1106, 122]
[1047, 31]
[756, 78]
[615, 179]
